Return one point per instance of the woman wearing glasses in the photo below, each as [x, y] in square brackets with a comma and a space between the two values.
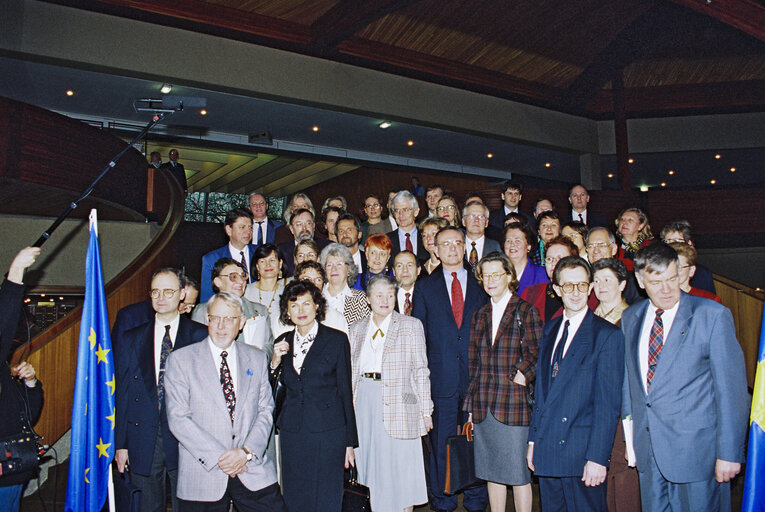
[447, 209]
[317, 424]
[504, 344]
[519, 241]
[341, 272]
[268, 285]
[306, 250]
[374, 223]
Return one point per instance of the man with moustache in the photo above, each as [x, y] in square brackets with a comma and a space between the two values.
[302, 227]
[348, 233]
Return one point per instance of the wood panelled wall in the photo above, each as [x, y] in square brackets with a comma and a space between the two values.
[43, 147]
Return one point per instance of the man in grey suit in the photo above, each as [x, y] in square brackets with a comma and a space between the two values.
[685, 389]
[475, 218]
[220, 407]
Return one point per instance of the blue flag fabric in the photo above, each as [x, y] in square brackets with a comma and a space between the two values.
[754, 483]
[92, 444]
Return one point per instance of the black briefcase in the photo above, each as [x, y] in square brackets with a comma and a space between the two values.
[460, 462]
[355, 495]
[127, 496]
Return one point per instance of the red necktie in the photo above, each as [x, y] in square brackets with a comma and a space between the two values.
[458, 302]
[407, 304]
[655, 343]
[409, 246]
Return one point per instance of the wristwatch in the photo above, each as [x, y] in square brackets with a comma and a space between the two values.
[247, 452]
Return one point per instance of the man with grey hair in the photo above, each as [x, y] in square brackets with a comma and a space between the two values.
[475, 218]
[298, 201]
[601, 243]
[685, 390]
[406, 236]
[263, 228]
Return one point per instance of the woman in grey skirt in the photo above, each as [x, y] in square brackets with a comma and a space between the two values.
[504, 344]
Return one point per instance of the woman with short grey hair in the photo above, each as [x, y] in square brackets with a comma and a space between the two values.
[341, 276]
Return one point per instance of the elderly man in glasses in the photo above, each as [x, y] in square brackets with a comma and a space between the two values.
[228, 275]
[578, 396]
[142, 437]
[406, 236]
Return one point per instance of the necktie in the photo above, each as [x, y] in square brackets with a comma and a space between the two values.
[260, 232]
[458, 302]
[473, 259]
[228, 385]
[244, 264]
[655, 343]
[409, 246]
[167, 347]
[581, 219]
[407, 304]
[558, 355]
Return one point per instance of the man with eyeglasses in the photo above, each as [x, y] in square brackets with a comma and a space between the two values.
[578, 394]
[406, 236]
[302, 226]
[142, 438]
[601, 243]
[238, 227]
[229, 276]
[445, 302]
[220, 407]
[475, 218]
[263, 228]
[679, 231]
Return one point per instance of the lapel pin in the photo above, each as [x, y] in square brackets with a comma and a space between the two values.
[249, 372]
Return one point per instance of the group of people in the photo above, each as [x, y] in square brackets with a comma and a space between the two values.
[576, 350]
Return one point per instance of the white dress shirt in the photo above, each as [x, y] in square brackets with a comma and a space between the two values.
[497, 312]
[575, 322]
[233, 367]
[575, 215]
[237, 255]
[371, 356]
[667, 319]
[301, 345]
[401, 298]
[357, 258]
[159, 333]
[461, 276]
[263, 228]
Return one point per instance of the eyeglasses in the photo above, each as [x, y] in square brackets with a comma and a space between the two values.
[674, 240]
[552, 259]
[338, 265]
[372, 206]
[569, 287]
[403, 210]
[451, 243]
[260, 203]
[496, 276]
[166, 293]
[598, 245]
[228, 321]
[447, 207]
[475, 216]
[235, 276]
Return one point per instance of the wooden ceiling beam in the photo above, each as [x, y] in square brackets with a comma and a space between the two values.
[745, 15]
[347, 17]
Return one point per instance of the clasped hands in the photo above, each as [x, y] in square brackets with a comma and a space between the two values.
[233, 462]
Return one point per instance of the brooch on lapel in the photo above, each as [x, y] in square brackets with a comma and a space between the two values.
[249, 372]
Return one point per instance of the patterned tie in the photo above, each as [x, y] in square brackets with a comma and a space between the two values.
[409, 246]
[558, 355]
[473, 259]
[655, 343]
[458, 302]
[407, 304]
[228, 385]
[167, 347]
[260, 232]
[244, 264]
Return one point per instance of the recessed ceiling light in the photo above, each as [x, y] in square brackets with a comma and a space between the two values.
[384, 125]
[718, 156]
[70, 92]
[732, 169]
[548, 164]
[410, 143]
[489, 155]
[670, 172]
[203, 112]
[644, 188]
[166, 88]
[315, 128]
[713, 182]
[631, 161]
[610, 175]
[663, 183]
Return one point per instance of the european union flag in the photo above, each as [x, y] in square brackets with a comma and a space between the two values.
[92, 446]
[754, 483]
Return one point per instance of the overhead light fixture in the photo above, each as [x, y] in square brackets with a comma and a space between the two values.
[713, 182]
[631, 161]
[410, 143]
[166, 88]
[548, 164]
[644, 188]
[732, 169]
[203, 112]
[610, 175]
[315, 128]
[384, 125]
[670, 172]
[70, 92]
[489, 155]
[663, 183]
[718, 156]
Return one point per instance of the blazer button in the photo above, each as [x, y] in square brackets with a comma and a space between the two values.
[564, 420]
[233, 436]
[135, 376]
[136, 424]
[562, 442]
[647, 429]
[136, 399]
[648, 404]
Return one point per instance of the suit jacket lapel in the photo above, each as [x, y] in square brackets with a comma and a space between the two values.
[146, 363]
[673, 340]
[316, 349]
[209, 373]
[508, 317]
[243, 381]
[545, 355]
[574, 355]
[391, 335]
[362, 330]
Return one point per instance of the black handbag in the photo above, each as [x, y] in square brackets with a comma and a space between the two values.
[355, 495]
[127, 496]
[460, 462]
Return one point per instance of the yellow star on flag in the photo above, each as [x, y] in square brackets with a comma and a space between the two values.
[101, 354]
[758, 397]
[86, 475]
[102, 448]
[92, 338]
[111, 418]
[111, 384]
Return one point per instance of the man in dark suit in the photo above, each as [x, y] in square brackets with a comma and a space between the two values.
[579, 199]
[475, 218]
[406, 236]
[680, 231]
[142, 437]
[512, 193]
[579, 373]
[445, 302]
[302, 227]
[176, 169]
[238, 227]
[685, 390]
[407, 270]
[348, 233]
[263, 228]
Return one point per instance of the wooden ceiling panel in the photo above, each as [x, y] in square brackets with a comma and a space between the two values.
[695, 71]
[303, 12]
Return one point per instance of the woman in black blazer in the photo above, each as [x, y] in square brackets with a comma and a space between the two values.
[316, 422]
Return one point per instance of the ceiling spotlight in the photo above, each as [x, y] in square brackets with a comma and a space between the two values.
[718, 156]
[384, 125]
[663, 183]
[203, 112]
[410, 143]
[732, 169]
[713, 182]
[315, 128]
[489, 155]
[631, 161]
[548, 164]
[166, 88]
[70, 92]
[610, 175]
[644, 188]
[670, 172]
